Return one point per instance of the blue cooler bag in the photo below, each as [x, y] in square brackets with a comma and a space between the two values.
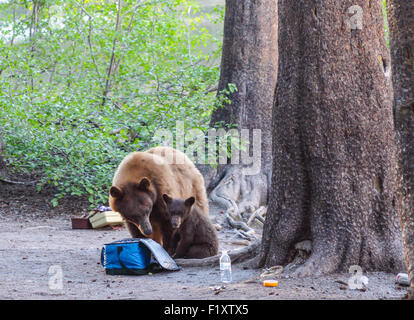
[135, 256]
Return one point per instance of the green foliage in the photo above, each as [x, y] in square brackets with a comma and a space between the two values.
[83, 83]
[385, 15]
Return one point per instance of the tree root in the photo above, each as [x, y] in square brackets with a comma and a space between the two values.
[238, 224]
[245, 235]
[236, 255]
[223, 199]
[238, 193]
[258, 214]
[410, 294]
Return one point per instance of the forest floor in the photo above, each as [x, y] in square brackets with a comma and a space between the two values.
[35, 236]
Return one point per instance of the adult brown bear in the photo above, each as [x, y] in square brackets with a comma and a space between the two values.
[139, 183]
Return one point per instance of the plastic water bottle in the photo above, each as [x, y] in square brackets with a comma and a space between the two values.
[225, 267]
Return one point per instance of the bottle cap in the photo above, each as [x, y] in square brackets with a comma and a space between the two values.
[270, 283]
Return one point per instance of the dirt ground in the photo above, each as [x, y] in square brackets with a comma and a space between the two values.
[34, 237]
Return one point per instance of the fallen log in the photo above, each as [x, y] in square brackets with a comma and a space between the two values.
[236, 255]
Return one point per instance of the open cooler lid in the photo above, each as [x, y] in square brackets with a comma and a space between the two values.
[162, 257]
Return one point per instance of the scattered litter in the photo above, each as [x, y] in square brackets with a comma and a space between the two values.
[103, 208]
[402, 279]
[81, 223]
[102, 219]
[270, 283]
[116, 227]
[217, 289]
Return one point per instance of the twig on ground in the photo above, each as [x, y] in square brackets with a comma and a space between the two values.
[239, 242]
[39, 227]
[17, 182]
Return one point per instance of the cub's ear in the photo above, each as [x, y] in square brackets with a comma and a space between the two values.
[116, 192]
[189, 202]
[167, 199]
[144, 184]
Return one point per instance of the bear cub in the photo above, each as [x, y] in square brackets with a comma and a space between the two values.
[194, 236]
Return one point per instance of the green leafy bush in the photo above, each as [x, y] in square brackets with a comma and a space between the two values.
[83, 83]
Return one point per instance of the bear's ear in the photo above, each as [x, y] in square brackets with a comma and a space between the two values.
[144, 184]
[167, 199]
[189, 202]
[116, 192]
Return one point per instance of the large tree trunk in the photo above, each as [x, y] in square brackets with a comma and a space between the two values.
[334, 152]
[249, 61]
[401, 24]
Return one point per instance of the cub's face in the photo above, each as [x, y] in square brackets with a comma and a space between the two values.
[178, 209]
[134, 202]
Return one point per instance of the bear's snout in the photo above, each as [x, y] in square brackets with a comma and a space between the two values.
[143, 226]
[175, 222]
[146, 228]
[147, 231]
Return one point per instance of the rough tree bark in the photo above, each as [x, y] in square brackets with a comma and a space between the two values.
[334, 151]
[401, 24]
[249, 60]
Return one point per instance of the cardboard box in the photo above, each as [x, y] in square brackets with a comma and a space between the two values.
[81, 223]
[102, 219]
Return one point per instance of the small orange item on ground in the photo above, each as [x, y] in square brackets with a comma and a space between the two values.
[270, 283]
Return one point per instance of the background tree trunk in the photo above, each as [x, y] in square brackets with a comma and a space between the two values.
[401, 24]
[2, 162]
[334, 153]
[249, 61]
[2, 153]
